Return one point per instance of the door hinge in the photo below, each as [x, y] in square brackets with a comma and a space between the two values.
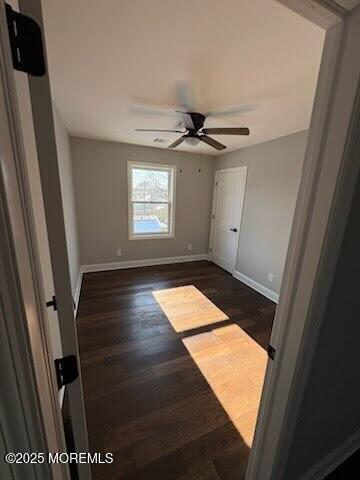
[271, 352]
[52, 303]
[210, 249]
[26, 43]
[215, 184]
[66, 370]
[213, 216]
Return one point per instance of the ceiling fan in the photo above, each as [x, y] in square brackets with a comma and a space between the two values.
[193, 131]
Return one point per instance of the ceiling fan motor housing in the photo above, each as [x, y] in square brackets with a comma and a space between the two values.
[198, 120]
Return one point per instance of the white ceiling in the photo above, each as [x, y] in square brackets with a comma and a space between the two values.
[110, 59]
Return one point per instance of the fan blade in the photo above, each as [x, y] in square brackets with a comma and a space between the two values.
[184, 96]
[142, 109]
[191, 120]
[230, 111]
[186, 119]
[213, 143]
[152, 130]
[176, 143]
[226, 131]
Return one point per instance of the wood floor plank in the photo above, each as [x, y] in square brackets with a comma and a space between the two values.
[146, 398]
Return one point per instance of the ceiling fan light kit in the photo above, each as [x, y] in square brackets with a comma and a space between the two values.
[193, 141]
[193, 123]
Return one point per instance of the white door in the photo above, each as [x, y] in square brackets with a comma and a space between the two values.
[229, 190]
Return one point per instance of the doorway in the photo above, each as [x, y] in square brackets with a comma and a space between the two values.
[303, 208]
[228, 200]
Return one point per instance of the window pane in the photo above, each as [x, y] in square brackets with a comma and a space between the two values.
[151, 218]
[150, 185]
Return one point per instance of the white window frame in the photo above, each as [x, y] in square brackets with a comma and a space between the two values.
[172, 197]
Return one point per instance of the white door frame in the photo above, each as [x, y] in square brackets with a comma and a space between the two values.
[31, 417]
[327, 185]
[242, 168]
[25, 244]
[28, 382]
[42, 110]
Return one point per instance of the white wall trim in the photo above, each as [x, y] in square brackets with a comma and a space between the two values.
[257, 286]
[239, 168]
[78, 290]
[100, 267]
[334, 459]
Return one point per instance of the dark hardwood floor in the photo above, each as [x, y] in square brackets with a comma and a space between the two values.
[147, 402]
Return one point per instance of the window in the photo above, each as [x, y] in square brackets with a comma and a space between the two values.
[151, 190]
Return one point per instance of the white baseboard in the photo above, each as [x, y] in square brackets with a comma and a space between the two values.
[257, 286]
[78, 290]
[334, 459]
[101, 267]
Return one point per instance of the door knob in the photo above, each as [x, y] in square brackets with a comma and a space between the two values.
[233, 229]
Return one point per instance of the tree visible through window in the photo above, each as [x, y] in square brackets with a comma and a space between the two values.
[151, 190]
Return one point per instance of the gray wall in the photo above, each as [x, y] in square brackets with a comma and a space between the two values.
[68, 199]
[273, 176]
[100, 174]
[330, 411]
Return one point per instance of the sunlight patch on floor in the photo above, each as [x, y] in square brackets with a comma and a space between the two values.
[234, 367]
[187, 308]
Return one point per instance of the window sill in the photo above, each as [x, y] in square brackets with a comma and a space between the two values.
[151, 236]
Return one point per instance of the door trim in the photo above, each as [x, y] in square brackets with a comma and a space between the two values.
[42, 110]
[27, 342]
[211, 238]
[325, 194]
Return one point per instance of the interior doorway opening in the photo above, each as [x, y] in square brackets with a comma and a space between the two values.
[282, 306]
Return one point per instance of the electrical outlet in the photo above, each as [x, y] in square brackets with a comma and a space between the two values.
[189, 247]
[271, 277]
[118, 252]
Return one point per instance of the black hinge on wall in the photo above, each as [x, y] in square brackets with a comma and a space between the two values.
[26, 43]
[271, 352]
[52, 303]
[66, 370]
